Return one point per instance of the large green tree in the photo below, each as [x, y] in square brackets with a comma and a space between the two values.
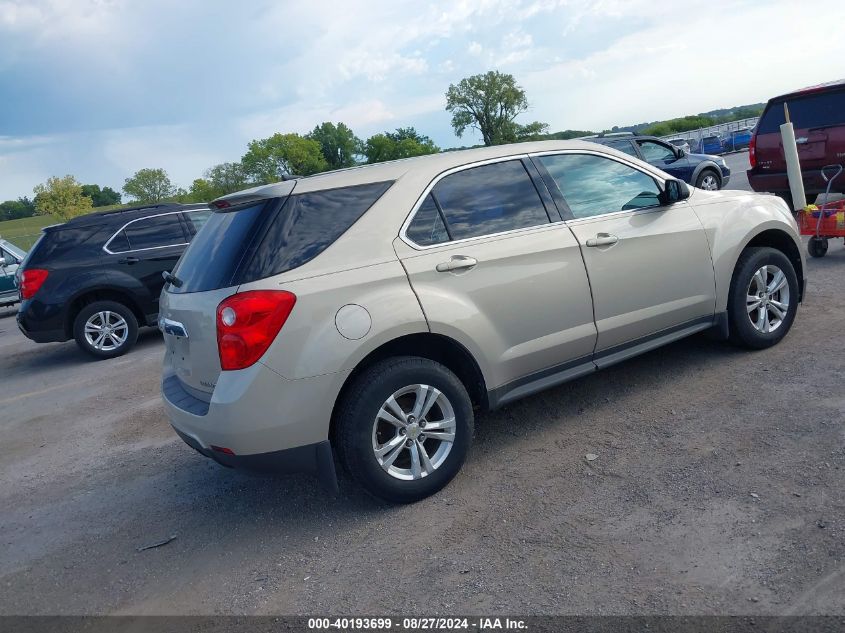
[227, 177]
[337, 143]
[16, 209]
[148, 186]
[270, 159]
[490, 103]
[403, 143]
[101, 197]
[61, 198]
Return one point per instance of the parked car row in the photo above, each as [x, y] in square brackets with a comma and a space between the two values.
[701, 170]
[366, 313]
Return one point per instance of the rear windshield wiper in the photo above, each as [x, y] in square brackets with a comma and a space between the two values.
[171, 279]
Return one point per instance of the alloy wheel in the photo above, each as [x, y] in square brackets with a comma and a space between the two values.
[413, 432]
[767, 298]
[709, 183]
[106, 331]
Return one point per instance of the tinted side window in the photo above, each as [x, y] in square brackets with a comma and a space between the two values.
[593, 185]
[624, 146]
[427, 227]
[656, 152]
[308, 224]
[827, 108]
[198, 218]
[155, 232]
[489, 199]
[119, 243]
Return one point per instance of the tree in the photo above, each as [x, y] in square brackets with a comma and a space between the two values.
[403, 143]
[16, 209]
[101, 197]
[203, 190]
[149, 186]
[489, 103]
[337, 143]
[227, 178]
[61, 198]
[270, 159]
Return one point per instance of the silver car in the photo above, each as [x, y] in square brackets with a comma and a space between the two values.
[367, 313]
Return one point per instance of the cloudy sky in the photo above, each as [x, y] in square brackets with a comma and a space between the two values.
[102, 88]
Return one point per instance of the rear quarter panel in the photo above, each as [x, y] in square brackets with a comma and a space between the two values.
[310, 343]
[731, 220]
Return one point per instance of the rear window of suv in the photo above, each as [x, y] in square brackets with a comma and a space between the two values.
[811, 111]
[242, 245]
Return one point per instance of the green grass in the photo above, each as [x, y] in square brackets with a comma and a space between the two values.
[23, 232]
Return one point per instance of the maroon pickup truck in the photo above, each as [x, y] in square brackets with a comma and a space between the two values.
[818, 116]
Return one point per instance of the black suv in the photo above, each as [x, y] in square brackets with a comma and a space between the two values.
[98, 277]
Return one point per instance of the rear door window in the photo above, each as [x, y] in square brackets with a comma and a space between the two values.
[428, 227]
[157, 231]
[654, 152]
[811, 111]
[624, 146]
[489, 199]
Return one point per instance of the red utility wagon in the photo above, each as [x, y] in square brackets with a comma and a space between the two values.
[823, 222]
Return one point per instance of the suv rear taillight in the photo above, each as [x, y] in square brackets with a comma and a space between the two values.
[31, 280]
[248, 322]
[752, 150]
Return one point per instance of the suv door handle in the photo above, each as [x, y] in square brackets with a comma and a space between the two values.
[128, 260]
[458, 262]
[602, 239]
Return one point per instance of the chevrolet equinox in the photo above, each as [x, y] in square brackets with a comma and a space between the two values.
[368, 312]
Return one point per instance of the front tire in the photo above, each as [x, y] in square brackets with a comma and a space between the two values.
[105, 329]
[403, 428]
[763, 298]
[709, 180]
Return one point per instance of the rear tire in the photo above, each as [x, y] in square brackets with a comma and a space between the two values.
[763, 298]
[709, 180]
[105, 329]
[410, 457]
[817, 246]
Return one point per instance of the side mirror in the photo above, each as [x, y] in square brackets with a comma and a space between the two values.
[2, 262]
[681, 152]
[674, 191]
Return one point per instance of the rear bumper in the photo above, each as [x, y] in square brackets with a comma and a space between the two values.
[262, 420]
[315, 459]
[40, 322]
[777, 182]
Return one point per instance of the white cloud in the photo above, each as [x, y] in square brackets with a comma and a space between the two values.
[475, 49]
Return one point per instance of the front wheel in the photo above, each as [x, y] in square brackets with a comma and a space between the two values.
[763, 298]
[708, 180]
[404, 428]
[817, 246]
[105, 329]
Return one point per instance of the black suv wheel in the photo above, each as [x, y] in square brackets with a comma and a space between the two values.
[404, 428]
[105, 329]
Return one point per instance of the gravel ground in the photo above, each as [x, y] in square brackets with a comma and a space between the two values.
[718, 488]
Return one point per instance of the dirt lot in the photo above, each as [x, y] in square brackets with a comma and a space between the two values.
[719, 488]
